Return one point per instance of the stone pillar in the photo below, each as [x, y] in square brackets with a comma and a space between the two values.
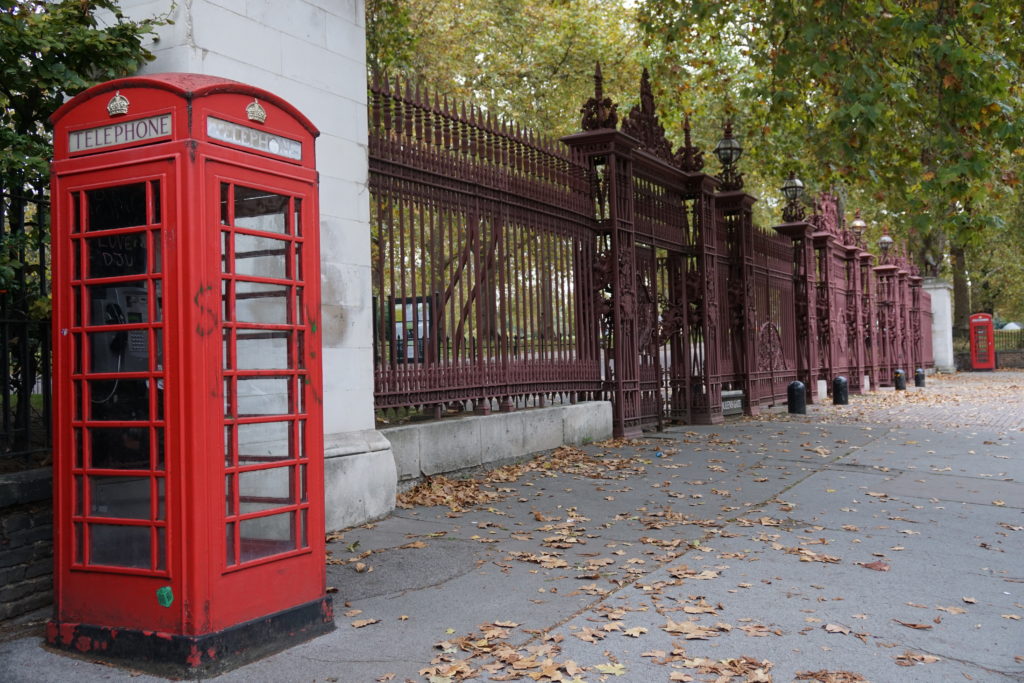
[942, 323]
[313, 54]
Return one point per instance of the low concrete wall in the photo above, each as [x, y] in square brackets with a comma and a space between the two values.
[26, 542]
[1004, 360]
[464, 443]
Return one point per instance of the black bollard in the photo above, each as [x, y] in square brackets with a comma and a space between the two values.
[796, 398]
[919, 377]
[899, 380]
[840, 391]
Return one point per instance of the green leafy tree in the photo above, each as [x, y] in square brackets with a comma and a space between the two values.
[913, 106]
[530, 62]
[49, 50]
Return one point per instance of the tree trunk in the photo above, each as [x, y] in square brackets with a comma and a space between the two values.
[961, 291]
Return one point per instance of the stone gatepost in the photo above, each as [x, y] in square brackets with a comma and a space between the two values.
[313, 54]
[942, 323]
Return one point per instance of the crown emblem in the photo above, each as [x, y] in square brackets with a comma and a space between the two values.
[118, 105]
[256, 112]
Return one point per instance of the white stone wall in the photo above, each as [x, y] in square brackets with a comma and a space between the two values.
[942, 323]
[311, 53]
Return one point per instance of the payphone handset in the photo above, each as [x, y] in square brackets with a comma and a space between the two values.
[120, 351]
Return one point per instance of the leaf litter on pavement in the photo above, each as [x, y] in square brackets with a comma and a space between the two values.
[562, 535]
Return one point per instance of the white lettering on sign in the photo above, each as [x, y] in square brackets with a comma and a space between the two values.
[244, 136]
[120, 133]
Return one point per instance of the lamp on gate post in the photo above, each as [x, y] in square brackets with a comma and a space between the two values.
[885, 243]
[728, 150]
[792, 189]
[857, 227]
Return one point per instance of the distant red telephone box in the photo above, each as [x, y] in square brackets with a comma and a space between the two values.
[188, 462]
[983, 350]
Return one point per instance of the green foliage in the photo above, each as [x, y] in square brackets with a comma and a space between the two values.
[914, 106]
[528, 61]
[912, 111]
[49, 50]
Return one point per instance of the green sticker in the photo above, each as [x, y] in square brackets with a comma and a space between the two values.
[164, 596]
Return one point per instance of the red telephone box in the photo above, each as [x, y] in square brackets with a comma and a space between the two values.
[188, 462]
[983, 350]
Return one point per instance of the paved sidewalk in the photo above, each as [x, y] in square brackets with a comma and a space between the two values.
[881, 541]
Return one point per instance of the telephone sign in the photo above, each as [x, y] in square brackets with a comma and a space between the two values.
[188, 462]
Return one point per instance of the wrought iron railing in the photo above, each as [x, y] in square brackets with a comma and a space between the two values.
[24, 329]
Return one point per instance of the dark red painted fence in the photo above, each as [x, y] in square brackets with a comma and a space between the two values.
[512, 270]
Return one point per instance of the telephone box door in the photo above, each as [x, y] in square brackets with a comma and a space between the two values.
[109, 303]
[270, 406]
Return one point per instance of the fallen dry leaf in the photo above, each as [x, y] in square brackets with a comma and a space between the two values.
[824, 676]
[360, 623]
[877, 565]
[613, 669]
[1015, 617]
[909, 658]
[690, 630]
[969, 601]
[836, 628]
[920, 627]
[952, 610]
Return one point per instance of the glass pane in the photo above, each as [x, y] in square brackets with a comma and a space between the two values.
[229, 402]
[76, 404]
[115, 255]
[119, 546]
[304, 528]
[79, 542]
[264, 442]
[263, 396]
[161, 499]
[259, 350]
[78, 496]
[159, 438]
[225, 253]
[76, 201]
[157, 259]
[154, 186]
[225, 194]
[76, 306]
[120, 448]
[126, 351]
[260, 256]
[77, 446]
[226, 353]
[76, 267]
[260, 210]
[228, 448]
[229, 495]
[256, 302]
[122, 497]
[161, 549]
[266, 536]
[119, 399]
[298, 217]
[117, 207]
[229, 539]
[123, 304]
[303, 494]
[265, 489]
